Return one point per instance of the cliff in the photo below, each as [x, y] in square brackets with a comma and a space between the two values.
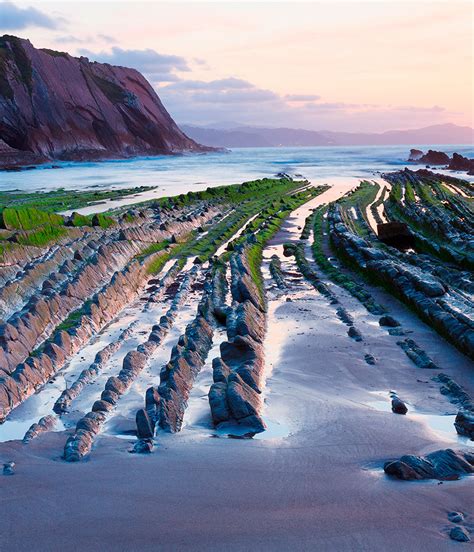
[55, 106]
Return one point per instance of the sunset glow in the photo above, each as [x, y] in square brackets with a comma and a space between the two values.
[365, 66]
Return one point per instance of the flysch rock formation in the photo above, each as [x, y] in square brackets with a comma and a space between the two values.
[34, 347]
[56, 106]
[235, 396]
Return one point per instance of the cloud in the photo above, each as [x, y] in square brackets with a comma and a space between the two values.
[15, 18]
[106, 38]
[200, 102]
[157, 67]
[221, 91]
[70, 39]
[302, 97]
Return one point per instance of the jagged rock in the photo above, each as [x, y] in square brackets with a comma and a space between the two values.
[442, 464]
[144, 425]
[220, 370]
[389, 321]
[152, 400]
[415, 155]
[435, 158]
[370, 359]
[464, 423]
[218, 403]
[248, 320]
[398, 406]
[245, 356]
[459, 534]
[243, 401]
[461, 163]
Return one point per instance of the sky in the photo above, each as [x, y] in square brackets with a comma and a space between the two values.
[348, 66]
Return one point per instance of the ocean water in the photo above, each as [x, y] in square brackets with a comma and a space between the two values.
[179, 174]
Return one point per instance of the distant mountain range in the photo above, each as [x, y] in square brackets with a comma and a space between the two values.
[247, 136]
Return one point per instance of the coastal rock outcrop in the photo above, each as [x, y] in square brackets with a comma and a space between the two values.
[441, 464]
[56, 106]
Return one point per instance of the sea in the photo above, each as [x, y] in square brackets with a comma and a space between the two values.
[178, 174]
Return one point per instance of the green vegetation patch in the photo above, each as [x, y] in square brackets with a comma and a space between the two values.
[27, 218]
[41, 236]
[54, 53]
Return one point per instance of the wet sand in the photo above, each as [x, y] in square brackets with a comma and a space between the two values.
[315, 483]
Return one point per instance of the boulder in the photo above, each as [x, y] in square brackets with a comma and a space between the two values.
[459, 534]
[441, 464]
[464, 423]
[456, 517]
[388, 321]
[354, 333]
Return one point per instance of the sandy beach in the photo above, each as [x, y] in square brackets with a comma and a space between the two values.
[313, 481]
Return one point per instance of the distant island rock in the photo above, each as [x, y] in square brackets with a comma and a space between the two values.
[415, 155]
[456, 163]
[56, 106]
[461, 163]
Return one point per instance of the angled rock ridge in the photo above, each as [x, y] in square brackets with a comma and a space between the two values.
[56, 106]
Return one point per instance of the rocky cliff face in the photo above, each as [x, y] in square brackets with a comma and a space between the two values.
[55, 106]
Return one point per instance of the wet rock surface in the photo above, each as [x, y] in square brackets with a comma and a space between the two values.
[443, 465]
[46, 423]
[235, 396]
[459, 534]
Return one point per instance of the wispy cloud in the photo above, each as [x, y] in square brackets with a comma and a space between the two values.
[157, 67]
[15, 18]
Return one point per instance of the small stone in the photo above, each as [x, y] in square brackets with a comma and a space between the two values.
[398, 406]
[456, 517]
[354, 334]
[459, 534]
[9, 468]
[389, 321]
[370, 359]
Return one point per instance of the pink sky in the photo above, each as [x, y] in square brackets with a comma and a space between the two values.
[365, 66]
